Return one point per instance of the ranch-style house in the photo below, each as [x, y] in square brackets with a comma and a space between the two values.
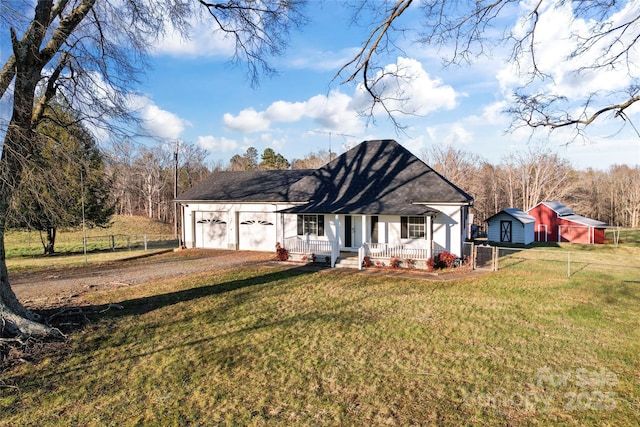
[377, 199]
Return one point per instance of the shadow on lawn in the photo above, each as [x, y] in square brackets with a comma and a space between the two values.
[70, 318]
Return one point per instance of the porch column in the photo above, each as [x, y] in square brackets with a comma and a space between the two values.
[429, 235]
[335, 248]
[364, 229]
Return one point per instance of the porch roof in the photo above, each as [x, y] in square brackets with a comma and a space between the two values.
[408, 209]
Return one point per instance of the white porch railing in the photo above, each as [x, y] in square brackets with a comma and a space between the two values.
[299, 245]
[304, 245]
[384, 250]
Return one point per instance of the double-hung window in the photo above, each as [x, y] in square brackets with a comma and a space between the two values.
[311, 225]
[412, 227]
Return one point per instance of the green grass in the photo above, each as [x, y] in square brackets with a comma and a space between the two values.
[127, 232]
[627, 236]
[586, 261]
[270, 345]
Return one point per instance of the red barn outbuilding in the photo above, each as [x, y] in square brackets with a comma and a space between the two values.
[555, 222]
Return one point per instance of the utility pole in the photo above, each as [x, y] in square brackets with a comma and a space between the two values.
[176, 230]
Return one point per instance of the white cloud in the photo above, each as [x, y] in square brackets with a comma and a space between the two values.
[458, 135]
[156, 121]
[222, 144]
[416, 145]
[407, 89]
[331, 112]
[558, 33]
[454, 134]
[282, 111]
[205, 40]
[322, 60]
[249, 120]
[276, 143]
[339, 112]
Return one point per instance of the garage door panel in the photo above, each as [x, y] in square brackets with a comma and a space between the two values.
[211, 230]
[257, 231]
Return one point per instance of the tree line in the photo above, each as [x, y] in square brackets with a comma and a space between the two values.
[525, 178]
[143, 179]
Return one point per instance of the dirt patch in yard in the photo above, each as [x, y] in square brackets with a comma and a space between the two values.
[59, 287]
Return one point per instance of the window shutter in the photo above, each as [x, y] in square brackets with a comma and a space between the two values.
[320, 225]
[374, 229]
[404, 227]
[300, 225]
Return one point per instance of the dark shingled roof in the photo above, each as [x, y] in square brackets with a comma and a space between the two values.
[247, 186]
[515, 213]
[375, 177]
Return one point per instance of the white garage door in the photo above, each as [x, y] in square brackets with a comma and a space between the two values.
[211, 230]
[257, 231]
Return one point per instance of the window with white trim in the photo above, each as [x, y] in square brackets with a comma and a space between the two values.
[412, 227]
[311, 224]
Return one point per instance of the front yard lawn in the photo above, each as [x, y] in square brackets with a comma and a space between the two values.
[278, 345]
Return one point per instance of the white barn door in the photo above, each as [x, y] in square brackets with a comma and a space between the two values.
[257, 231]
[211, 230]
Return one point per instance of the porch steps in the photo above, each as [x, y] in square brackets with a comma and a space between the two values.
[347, 262]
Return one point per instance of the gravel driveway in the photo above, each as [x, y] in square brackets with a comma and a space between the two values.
[58, 286]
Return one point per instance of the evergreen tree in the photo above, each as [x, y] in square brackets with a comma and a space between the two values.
[67, 177]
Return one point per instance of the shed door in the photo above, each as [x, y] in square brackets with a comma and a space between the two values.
[257, 231]
[505, 231]
[211, 230]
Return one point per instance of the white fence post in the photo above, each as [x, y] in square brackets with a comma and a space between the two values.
[334, 253]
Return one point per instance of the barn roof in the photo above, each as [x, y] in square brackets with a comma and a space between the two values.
[584, 221]
[516, 213]
[558, 207]
[567, 214]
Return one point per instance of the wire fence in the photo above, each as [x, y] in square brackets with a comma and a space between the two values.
[31, 244]
[568, 263]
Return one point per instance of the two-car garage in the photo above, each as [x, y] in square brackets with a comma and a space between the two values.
[243, 230]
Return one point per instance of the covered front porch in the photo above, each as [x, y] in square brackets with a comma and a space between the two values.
[323, 238]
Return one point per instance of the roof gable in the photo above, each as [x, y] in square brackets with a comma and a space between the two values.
[515, 213]
[560, 208]
[377, 177]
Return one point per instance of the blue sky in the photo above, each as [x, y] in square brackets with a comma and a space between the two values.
[193, 94]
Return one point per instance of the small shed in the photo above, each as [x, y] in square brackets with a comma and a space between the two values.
[511, 225]
[556, 222]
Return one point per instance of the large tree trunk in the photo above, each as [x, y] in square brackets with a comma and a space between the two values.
[20, 146]
[16, 319]
[51, 241]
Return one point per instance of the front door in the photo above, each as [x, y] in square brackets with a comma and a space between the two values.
[347, 231]
[357, 231]
[352, 231]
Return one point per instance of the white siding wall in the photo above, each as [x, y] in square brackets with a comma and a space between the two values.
[520, 233]
[233, 214]
[448, 226]
[529, 233]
